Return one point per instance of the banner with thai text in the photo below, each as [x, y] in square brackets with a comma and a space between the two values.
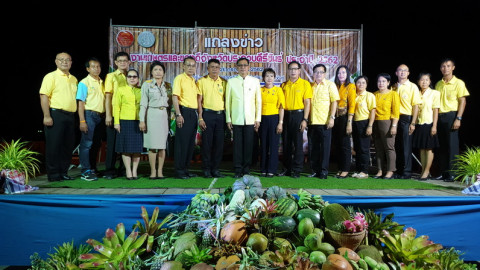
[273, 48]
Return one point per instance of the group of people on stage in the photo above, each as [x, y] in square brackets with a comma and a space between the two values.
[399, 117]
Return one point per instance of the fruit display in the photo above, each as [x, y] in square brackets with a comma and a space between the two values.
[249, 227]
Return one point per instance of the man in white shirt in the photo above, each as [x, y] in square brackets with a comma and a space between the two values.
[243, 111]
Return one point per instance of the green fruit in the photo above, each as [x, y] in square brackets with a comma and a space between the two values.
[326, 248]
[319, 232]
[305, 227]
[283, 225]
[308, 213]
[257, 242]
[286, 207]
[312, 241]
[303, 249]
[318, 257]
[278, 243]
[334, 214]
[371, 251]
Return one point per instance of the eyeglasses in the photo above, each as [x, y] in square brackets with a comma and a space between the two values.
[132, 76]
[244, 65]
[319, 72]
[295, 69]
[64, 60]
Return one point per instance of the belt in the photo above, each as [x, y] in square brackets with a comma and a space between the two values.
[212, 111]
[341, 111]
[187, 108]
[293, 111]
[95, 112]
[62, 111]
[160, 108]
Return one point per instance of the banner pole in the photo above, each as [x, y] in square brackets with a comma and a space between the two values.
[361, 49]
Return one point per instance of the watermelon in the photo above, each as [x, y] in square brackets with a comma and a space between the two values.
[283, 225]
[286, 207]
[308, 213]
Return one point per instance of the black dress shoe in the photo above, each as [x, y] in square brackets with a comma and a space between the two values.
[54, 179]
[66, 177]
[341, 177]
[449, 179]
[296, 175]
[391, 177]
[109, 176]
[238, 175]
[182, 177]
[285, 173]
[404, 177]
[217, 175]
[207, 174]
[377, 177]
[438, 178]
[322, 176]
[192, 175]
[423, 179]
[314, 175]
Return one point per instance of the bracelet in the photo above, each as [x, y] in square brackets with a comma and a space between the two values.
[394, 125]
[83, 121]
[304, 119]
[201, 119]
[281, 122]
[177, 115]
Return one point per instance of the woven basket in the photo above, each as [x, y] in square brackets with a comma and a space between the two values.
[348, 240]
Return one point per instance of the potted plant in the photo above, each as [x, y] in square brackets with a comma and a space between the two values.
[467, 166]
[17, 161]
[344, 228]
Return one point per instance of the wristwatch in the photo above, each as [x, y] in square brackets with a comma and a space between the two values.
[177, 115]
[332, 117]
[459, 118]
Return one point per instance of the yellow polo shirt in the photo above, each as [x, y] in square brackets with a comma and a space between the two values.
[185, 88]
[114, 80]
[295, 93]
[61, 90]
[324, 94]
[92, 92]
[127, 103]
[450, 93]
[347, 97]
[272, 99]
[388, 105]
[409, 96]
[430, 101]
[364, 104]
[213, 92]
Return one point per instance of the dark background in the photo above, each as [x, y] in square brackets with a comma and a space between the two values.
[414, 33]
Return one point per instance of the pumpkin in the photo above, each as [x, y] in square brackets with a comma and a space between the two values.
[226, 263]
[336, 262]
[237, 199]
[276, 193]
[250, 185]
[234, 232]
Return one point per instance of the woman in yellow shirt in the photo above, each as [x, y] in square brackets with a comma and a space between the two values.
[365, 104]
[425, 136]
[385, 126]
[129, 140]
[273, 101]
[343, 120]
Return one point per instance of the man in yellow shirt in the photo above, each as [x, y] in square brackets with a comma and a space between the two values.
[57, 99]
[409, 100]
[91, 108]
[322, 117]
[453, 95]
[298, 94]
[113, 81]
[185, 101]
[211, 114]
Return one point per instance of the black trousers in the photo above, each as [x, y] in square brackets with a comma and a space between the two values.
[212, 140]
[449, 143]
[292, 140]
[269, 140]
[110, 155]
[242, 148]
[319, 138]
[59, 143]
[185, 141]
[361, 144]
[403, 146]
[342, 143]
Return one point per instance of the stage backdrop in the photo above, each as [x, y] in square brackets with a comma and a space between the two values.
[263, 47]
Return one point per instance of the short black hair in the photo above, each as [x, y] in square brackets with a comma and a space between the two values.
[243, 58]
[361, 77]
[213, 60]
[87, 63]
[444, 60]
[294, 62]
[156, 63]
[319, 65]
[386, 76]
[136, 71]
[189, 57]
[264, 73]
[119, 54]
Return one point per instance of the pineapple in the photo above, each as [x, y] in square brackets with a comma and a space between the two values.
[208, 237]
